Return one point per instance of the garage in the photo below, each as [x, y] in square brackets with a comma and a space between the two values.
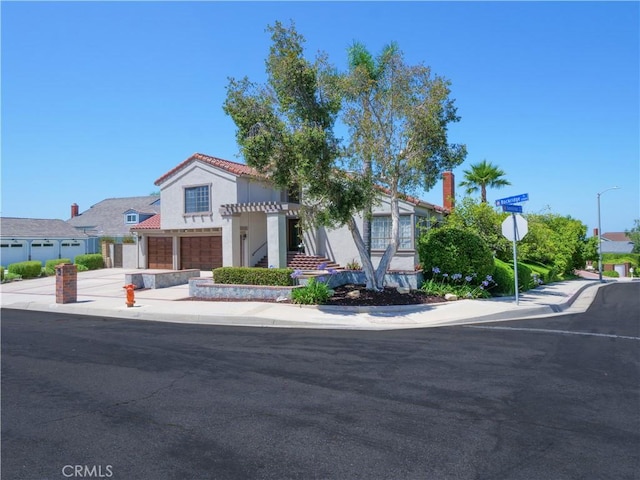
[204, 253]
[70, 248]
[44, 250]
[160, 252]
[13, 252]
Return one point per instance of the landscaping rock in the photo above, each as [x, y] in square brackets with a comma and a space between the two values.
[450, 297]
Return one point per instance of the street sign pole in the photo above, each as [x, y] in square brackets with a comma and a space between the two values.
[515, 256]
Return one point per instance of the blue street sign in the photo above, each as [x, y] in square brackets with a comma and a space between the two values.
[512, 208]
[509, 200]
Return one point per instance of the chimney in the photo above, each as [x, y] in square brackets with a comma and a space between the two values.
[448, 190]
[595, 232]
[74, 210]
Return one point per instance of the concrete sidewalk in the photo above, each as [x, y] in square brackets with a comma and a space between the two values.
[100, 293]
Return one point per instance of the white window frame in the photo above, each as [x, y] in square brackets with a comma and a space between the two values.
[130, 218]
[381, 232]
[199, 203]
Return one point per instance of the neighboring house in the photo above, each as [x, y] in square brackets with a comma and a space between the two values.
[24, 239]
[215, 212]
[615, 237]
[113, 217]
[616, 242]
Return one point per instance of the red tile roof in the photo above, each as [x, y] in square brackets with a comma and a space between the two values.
[152, 223]
[616, 237]
[235, 168]
[241, 169]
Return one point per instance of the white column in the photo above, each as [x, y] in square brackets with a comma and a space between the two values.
[176, 252]
[231, 241]
[277, 239]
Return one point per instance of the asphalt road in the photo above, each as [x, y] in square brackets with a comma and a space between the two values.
[556, 398]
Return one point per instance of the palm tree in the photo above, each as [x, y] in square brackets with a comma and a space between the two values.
[483, 175]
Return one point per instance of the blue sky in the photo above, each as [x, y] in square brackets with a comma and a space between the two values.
[101, 99]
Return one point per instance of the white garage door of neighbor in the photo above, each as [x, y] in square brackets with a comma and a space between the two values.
[43, 251]
[13, 252]
[70, 248]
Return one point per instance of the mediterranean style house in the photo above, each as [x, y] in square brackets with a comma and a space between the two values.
[215, 212]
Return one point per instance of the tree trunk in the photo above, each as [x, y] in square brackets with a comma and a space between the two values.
[392, 248]
[367, 266]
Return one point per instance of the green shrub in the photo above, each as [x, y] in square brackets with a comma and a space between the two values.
[93, 261]
[455, 251]
[31, 269]
[82, 268]
[253, 276]
[503, 276]
[353, 265]
[525, 278]
[1, 273]
[610, 273]
[128, 239]
[313, 293]
[107, 240]
[50, 265]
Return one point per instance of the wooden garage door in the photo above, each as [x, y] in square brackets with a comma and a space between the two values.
[160, 252]
[204, 253]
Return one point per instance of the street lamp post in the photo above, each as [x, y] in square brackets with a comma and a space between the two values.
[600, 234]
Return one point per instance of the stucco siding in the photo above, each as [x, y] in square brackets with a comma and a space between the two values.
[222, 190]
[251, 190]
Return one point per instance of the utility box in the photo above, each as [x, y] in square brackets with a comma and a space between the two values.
[66, 283]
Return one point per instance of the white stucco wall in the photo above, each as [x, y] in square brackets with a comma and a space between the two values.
[338, 244]
[222, 190]
[251, 190]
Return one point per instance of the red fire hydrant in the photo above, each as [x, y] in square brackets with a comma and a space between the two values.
[130, 295]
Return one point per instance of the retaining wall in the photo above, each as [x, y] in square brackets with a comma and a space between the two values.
[412, 280]
[205, 288]
[160, 279]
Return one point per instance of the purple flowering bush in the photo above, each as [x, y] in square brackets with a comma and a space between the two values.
[463, 286]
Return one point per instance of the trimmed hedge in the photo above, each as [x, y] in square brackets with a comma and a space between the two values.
[30, 269]
[50, 265]
[610, 273]
[1, 273]
[453, 250]
[504, 278]
[93, 261]
[253, 276]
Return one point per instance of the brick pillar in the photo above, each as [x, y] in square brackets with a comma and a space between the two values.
[66, 283]
[448, 190]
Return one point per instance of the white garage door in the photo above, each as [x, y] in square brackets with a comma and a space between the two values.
[70, 248]
[13, 252]
[44, 250]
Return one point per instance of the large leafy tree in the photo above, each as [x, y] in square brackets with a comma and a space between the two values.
[285, 130]
[482, 175]
[554, 240]
[397, 115]
[364, 73]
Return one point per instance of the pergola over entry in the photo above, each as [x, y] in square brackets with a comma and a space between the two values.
[276, 238]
